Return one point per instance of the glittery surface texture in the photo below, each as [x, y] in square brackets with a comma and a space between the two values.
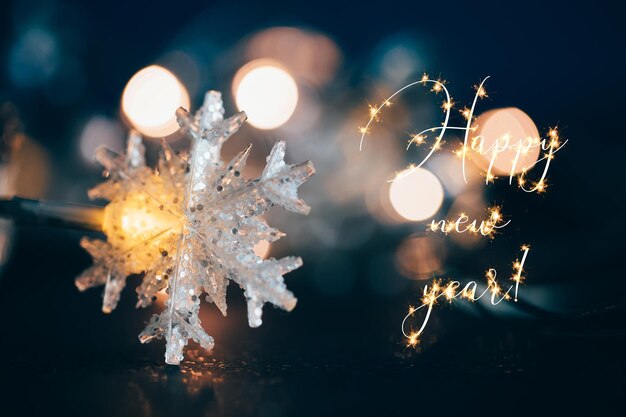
[190, 226]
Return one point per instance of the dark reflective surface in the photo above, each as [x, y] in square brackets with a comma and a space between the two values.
[340, 356]
[514, 372]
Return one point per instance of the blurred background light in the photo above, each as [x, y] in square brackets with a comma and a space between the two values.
[305, 119]
[33, 58]
[398, 58]
[493, 125]
[449, 171]
[308, 55]
[416, 195]
[6, 226]
[100, 131]
[151, 99]
[184, 64]
[419, 257]
[266, 92]
[24, 169]
[29, 167]
[6, 232]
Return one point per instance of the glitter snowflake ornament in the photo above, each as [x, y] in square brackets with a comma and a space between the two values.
[190, 228]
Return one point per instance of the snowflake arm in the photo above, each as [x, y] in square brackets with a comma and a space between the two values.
[208, 219]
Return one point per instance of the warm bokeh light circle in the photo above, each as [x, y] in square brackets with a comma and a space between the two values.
[416, 194]
[150, 100]
[266, 92]
[494, 124]
[419, 256]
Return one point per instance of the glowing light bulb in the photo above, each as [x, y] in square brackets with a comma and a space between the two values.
[416, 194]
[130, 222]
[266, 92]
[150, 101]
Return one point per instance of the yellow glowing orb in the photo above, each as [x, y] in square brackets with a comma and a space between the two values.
[150, 101]
[138, 223]
[266, 92]
[416, 194]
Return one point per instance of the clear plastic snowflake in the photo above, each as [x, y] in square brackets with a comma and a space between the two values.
[190, 227]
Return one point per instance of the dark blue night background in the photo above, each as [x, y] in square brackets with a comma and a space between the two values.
[559, 351]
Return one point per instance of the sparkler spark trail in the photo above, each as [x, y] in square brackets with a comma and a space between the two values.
[551, 145]
[504, 146]
[522, 146]
[461, 224]
[438, 86]
[449, 291]
[419, 138]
